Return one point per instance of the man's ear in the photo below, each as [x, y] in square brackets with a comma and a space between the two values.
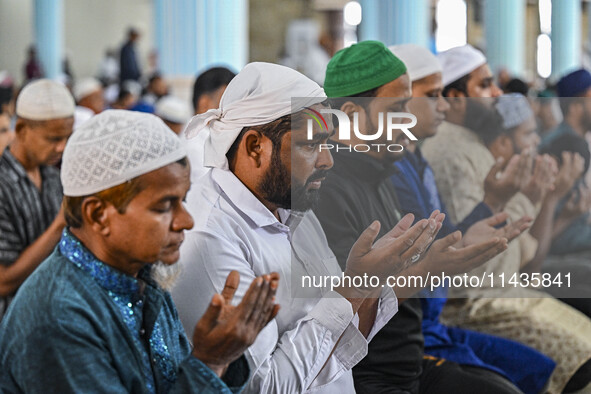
[253, 145]
[349, 108]
[95, 214]
[20, 127]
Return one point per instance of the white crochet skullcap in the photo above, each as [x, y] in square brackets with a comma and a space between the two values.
[419, 61]
[45, 99]
[460, 61]
[114, 147]
[514, 109]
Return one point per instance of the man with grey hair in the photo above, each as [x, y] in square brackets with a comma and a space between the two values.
[30, 189]
[92, 317]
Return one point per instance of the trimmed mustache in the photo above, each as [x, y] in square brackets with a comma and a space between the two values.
[317, 175]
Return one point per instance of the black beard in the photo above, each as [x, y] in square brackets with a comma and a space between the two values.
[276, 187]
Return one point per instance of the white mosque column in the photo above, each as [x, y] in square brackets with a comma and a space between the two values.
[566, 36]
[369, 29]
[505, 35]
[49, 35]
[192, 35]
[396, 21]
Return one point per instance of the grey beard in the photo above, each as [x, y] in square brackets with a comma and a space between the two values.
[165, 275]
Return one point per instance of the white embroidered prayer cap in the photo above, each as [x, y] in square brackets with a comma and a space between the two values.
[419, 61]
[173, 109]
[259, 94]
[86, 87]
[45, 99]
[514, 109]
[459, 61]
[114, 147]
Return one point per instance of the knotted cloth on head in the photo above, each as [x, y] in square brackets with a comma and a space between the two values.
[259, 94]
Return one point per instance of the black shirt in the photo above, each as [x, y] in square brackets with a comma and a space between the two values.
[356, 192]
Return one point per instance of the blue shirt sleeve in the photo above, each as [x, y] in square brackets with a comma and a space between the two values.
[480, 211]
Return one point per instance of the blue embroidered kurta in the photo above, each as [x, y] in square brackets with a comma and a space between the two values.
[527, 368]
[78, 325]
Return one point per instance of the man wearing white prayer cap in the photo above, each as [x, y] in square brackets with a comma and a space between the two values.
[30, 189]
[255, 216]
[95, 316]
[174, 112]
[88, 93]
[465, 168]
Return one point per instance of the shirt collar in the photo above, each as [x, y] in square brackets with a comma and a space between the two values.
[243, 199]
[18, 168]
[14, 163]
[106, 276]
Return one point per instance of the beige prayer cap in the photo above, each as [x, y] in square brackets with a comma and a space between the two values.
[173, 109]
[45, 99]
[86, 87]
[460, 61]
[419, 61]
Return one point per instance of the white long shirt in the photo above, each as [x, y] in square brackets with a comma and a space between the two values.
[235, 231]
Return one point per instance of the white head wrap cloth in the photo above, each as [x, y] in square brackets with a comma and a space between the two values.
[460, 61]
[259, 94]
[419, 61]
[114, 147]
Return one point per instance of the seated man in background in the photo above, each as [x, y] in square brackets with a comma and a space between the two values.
[94, 316]
[417, 193]
[461, 161]
[574, 91]
[6, 133]
[208, 89]
[89, 95]
[30, 191]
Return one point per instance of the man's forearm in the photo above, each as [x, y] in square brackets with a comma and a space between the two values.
[13, 275]
[541, 230]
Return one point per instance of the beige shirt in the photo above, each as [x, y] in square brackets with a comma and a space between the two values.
[460, 163]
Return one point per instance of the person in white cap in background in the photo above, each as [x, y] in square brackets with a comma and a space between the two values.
[461, 163]
[30, 191]
[174, 112]
[96, 315]
[88, 94]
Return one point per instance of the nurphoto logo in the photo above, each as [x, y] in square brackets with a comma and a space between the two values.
[392, 120]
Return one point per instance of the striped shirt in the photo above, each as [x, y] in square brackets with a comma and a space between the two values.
[25, 211]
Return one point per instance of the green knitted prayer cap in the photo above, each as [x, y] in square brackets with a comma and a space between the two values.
[361, 67]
